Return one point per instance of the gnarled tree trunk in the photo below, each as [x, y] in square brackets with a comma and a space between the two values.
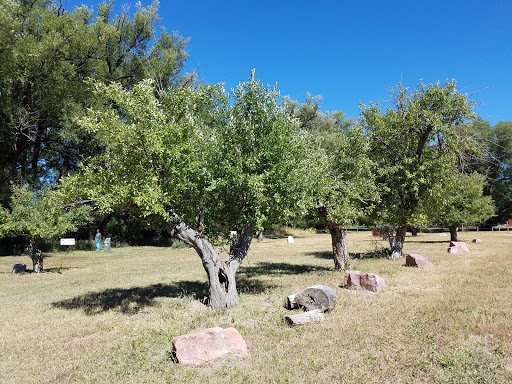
[36, 255]
[397, 242]
[338, 239]
[453, 233]
[221, 274]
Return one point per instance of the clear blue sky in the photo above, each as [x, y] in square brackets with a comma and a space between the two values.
[350, 51]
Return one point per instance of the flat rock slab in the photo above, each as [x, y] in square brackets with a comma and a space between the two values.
[304, 318]
[458, 247]
[201, 347]
[415, 260]
[364, 281]
[318, 297]
[19, 268]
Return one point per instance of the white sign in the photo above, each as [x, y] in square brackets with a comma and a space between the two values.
[67, 241]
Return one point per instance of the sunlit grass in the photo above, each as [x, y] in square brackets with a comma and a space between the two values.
[110, 317]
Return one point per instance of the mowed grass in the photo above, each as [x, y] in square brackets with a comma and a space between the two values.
[100, 317]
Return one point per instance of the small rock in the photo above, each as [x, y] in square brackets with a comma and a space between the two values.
[477, 241]
[306, 317]
[458, 247]
[364, 281]
[19, 268]
[208, 345]
[415, 260]
[290, 240]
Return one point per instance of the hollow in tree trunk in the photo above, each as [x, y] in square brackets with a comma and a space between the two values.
[221, 273]
[397, 242]
[338, 239]
[453, 233]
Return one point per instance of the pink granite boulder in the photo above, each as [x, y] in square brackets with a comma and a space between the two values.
[458, 247]
[415, 260]
[364, 281]
[208, 345]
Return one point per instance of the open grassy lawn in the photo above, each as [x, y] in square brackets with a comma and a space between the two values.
[110, 317]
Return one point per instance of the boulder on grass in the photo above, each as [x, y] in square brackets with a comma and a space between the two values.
[364, 281]
[477, 241]
[458, 247]
[318, 297]
[19, 268]
[201, 347]
[303, 318]
[415, 260]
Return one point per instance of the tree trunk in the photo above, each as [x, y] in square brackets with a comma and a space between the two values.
[397, 243]
[453, 233]
[338, 239]
[221, 274]
[413, 230]
[36, 255]
[339, 247]
[260, 236]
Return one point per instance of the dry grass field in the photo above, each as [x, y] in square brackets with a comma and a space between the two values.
[110, 317]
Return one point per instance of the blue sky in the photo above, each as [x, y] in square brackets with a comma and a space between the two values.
[350, 51]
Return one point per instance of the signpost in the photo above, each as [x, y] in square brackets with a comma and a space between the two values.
[67, 242]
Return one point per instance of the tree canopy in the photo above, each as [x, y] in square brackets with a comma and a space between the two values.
[46, 53]
[415, 145]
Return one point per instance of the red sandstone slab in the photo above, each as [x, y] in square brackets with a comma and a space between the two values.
[364, 281]
[415, 260]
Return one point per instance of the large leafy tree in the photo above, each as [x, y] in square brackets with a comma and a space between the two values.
[344, 190]
[200, 162]
[415, 145]
[46, 53]
[348, 192]
[39, 217]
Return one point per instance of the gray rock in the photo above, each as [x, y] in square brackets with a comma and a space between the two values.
[19, 268]
[318, 297]
[303, 318]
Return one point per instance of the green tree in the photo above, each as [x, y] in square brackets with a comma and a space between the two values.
[461, 202]
[46, 53]
[415, 146]
[349, 192]
[344, 184]
[200, 161]
[39, 217]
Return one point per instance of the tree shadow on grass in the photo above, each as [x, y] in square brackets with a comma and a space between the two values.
[379, 254]
[57, 270]
[279, 269]
[323, 255]
[428, 241]
[362, 255]
[132, 300]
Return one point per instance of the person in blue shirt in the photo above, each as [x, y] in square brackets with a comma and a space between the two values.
[98, 240]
